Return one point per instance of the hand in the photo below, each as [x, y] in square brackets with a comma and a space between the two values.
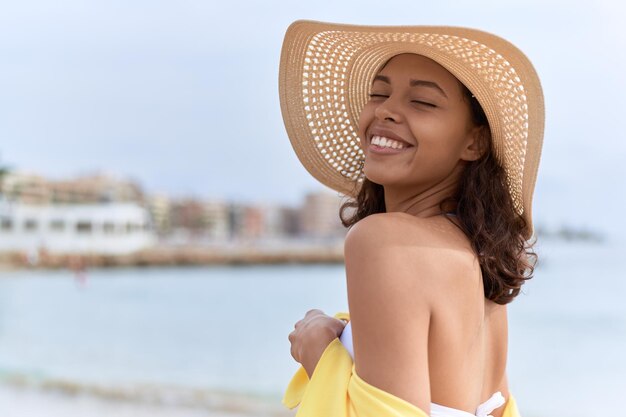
[312, 335]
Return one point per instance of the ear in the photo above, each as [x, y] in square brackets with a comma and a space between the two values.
[475, 144]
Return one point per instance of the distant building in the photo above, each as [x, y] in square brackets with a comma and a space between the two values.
[90, 209]
[247, 221]
[97, 188]
[28, 188]
[272, 219]
[291, 221]
[319, 215]
[113, 228]
[187, 214]
[160, 207]
[253, 224]
[217, 220]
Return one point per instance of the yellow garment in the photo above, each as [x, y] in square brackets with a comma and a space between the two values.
[335, 390]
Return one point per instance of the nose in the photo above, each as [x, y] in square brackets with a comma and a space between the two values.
[388, 110]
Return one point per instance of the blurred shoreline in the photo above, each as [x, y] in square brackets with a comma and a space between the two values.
[237, 252]
[69, 399]
[301, 252]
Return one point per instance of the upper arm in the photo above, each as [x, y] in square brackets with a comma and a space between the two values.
[389, 299]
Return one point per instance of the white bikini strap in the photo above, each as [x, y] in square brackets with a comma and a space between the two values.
[496, 400]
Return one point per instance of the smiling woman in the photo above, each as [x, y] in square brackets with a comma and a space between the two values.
[434, 134]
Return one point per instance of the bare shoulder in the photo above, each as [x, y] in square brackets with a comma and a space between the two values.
[387, 222]
[431, 244]
[438, 230]
[402, 248]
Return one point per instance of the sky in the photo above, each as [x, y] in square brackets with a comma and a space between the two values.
[182, 96]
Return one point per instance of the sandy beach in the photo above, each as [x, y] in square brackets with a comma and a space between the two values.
[18, 401]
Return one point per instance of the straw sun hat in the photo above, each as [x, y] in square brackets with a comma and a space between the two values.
[326, 71]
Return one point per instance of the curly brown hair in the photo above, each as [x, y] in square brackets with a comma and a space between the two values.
[485, 211]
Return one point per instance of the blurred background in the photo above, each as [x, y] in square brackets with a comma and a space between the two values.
[159, 237]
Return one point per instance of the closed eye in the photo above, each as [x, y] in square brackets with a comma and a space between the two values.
[424, 103]
[413, 101]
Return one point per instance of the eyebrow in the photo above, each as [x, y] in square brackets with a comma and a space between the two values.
[414, 83]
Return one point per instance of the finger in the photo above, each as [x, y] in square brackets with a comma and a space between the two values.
[293, 354]
[314, 311]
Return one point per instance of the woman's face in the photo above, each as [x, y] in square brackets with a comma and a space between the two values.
[418, 102]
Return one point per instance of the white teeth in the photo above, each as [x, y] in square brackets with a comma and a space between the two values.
[387, 143]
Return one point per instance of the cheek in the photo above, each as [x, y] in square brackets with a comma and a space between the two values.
[438, 133]
[438, 142]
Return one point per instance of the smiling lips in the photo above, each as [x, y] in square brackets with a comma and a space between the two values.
[385, 142]
[385, 145]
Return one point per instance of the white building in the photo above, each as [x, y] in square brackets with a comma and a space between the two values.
[109, 228]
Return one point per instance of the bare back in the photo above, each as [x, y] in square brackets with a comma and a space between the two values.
[468, 336]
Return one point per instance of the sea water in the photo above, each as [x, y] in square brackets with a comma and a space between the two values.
[224, 329]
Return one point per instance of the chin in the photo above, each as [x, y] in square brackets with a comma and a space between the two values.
[380, 178]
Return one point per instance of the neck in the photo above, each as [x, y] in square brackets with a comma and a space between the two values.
[422, 202]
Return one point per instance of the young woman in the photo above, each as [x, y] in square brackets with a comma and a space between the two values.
[440, 166]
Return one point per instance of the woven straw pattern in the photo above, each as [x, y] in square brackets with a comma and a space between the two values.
[334, 131]
[325, 78]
